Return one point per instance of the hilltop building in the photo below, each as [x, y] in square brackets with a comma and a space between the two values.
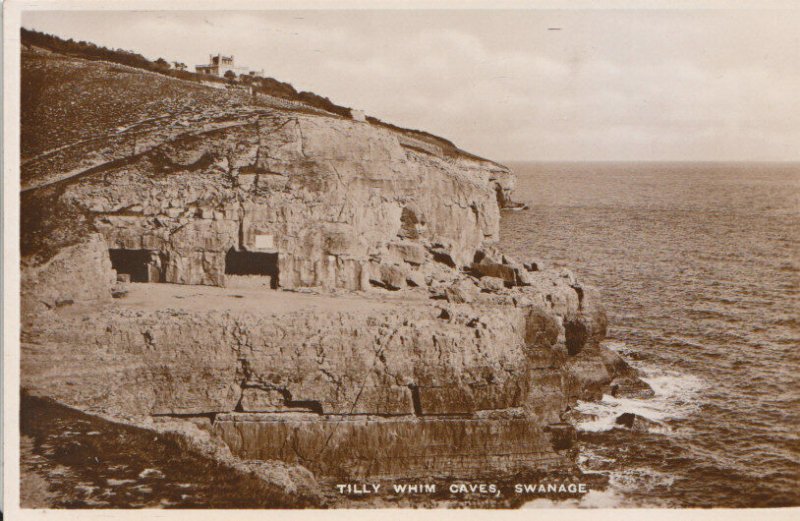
[358, 115]
[219, 64]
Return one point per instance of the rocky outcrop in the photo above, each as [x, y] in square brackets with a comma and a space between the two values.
[399, 376]
[409, 345]
[78, 273]
[340, 202]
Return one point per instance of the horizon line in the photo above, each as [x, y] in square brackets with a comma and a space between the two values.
[742, 161]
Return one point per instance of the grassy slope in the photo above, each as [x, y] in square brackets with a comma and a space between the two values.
[65, 100]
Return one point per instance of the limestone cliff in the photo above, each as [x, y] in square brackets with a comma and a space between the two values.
[354, 316]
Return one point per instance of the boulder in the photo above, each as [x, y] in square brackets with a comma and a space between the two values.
[408, 251]
[631, 387]
[390, 276]
[510, 271]
[500, 271]
[462, 292]
[492, 284]
[635, 422]
[416, 279]
[534, 265]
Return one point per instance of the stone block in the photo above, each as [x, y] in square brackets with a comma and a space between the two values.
[492, 284]
[391, 276]
[416, 278]
[461, 292]
[408, 251]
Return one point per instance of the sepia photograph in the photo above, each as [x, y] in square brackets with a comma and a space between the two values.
[444, 256]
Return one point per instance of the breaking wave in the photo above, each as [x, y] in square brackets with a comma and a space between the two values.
[676, 397]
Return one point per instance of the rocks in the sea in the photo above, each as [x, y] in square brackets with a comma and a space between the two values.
[151, 474]
[625, 380]
[564, 435]
[635, 422]
[631, 387]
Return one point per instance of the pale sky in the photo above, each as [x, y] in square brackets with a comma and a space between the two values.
[609, 85]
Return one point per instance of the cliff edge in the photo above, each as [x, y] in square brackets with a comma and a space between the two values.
[290, 285]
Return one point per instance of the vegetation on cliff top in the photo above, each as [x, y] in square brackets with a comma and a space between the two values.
[91, 51]
[264, 85]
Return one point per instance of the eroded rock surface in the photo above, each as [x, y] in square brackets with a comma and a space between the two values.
[409, 345]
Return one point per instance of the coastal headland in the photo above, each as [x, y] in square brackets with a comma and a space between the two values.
[296, 293]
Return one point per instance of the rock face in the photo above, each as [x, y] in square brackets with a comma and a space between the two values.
[485, 382]
[338, 202]
[79, 273]
[459, 360]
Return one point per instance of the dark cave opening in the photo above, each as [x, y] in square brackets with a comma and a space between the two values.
[252, 263]
[139, 265]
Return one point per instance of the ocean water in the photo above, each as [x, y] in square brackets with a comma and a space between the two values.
[699, 268]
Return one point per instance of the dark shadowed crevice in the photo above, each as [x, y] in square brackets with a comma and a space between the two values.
[139, 265]
[415, 400]
[252, 263]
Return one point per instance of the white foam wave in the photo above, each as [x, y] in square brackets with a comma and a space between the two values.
[675, 398]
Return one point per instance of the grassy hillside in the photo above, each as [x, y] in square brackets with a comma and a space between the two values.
[65, 99]
[73, 91]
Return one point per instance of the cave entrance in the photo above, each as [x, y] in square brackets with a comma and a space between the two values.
[136, 265]
[251, 264]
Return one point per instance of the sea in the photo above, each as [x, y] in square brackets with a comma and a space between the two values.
[698, 265]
